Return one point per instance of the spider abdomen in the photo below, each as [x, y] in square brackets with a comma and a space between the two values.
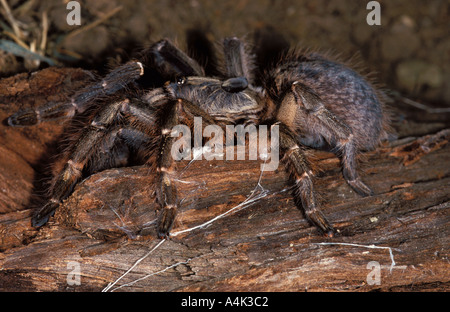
[343, 91]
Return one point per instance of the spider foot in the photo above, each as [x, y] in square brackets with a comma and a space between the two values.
[26, 117]
[165, 221]
[330, 233]
[318, 219]
[360, 187]
[44, 214]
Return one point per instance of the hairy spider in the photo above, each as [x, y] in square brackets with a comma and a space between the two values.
[316, 102]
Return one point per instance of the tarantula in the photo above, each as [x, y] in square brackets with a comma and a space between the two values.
[316, 102]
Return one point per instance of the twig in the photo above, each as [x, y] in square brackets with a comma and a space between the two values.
[44, 32]
[17, 50]
[94, 24]
[432, 110]
[11, 20]
[16, 39]
[29, 51]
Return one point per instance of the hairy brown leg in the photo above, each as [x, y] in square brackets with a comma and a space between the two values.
[339, 131]
[167, 59]
[165, 188]
[178, 112]
[301, 175]
[95, 139]
[237, 61]
[79, 102]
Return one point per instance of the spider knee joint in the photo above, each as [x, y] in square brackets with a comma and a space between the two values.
[305, 175]
[98, 125]
[141, 68]
[73, 170]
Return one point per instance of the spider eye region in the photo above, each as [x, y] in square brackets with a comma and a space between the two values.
[234, 85]
[181, 81]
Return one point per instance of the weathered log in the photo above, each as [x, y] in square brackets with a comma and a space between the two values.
[104, 232]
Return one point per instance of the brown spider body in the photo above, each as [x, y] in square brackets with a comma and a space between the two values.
[317, 103]
[344, 92]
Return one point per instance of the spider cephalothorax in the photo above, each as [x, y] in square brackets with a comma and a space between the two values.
[317, 103]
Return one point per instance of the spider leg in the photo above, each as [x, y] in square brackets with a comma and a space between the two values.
[238, 62]
[313, 104]
[301, 174]
[339, 132]
[180, 111]
[121, 146]
[163, 57]
[201, 49]
[170, 61]
[350, 173]
[96, 140]
[117, 79]
[166, 190]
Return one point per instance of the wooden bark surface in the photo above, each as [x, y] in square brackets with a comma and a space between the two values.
[262, 244]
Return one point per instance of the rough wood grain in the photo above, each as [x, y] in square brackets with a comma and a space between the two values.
[264, 246]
